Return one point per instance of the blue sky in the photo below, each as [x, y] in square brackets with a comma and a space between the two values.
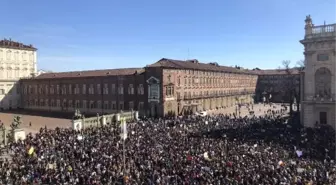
[86, 34]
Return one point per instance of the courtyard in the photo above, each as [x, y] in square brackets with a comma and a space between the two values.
[36, 122]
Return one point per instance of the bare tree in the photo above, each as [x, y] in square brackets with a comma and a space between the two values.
[289, 84]
[300, 65]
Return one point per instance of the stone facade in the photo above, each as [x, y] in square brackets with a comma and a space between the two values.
[191, 86]
[91, 92]
[273, 85]
[16, 61]
[318, 88]
[174, 88]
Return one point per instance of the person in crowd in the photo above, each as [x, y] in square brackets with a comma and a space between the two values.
[211, 150]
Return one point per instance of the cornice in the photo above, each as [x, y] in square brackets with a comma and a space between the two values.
[309, 53]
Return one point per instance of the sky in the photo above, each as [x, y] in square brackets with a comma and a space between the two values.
[105, 34]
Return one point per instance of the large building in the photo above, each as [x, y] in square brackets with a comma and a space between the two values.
[17, 60]
[167, 87]
[92, 92]
[274, 85]
[318, 87]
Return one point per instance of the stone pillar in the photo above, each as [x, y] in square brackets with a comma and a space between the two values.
[103, 120]
[19, 134]
[118, 117]
[78, 124]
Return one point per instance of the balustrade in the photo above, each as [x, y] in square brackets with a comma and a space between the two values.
[320, 98]
[323, 31]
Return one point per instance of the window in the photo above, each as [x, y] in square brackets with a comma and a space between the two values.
[85, 104]
[114, 105]
[121, 89]
[141, 89]
[121, 105]
[99, 104]
[130, 105]
[322, 57]
[58, 103]
[70, 104]
[105, 90]
[46, 89]
[91, 89]
[52, 89]
[179, 81]
[63, 90]
[92, 105]
[57, 89]
[169, 91]
[46, 102]
[113, 88]
[130, 89]
[70, 89]
[52, 103]
[77, 104]
[98, 89]
[106, 105]
[84, 89]
[76, 91]
[64, 103]
[141, 106]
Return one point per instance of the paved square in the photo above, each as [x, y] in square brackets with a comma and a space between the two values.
[36, 121]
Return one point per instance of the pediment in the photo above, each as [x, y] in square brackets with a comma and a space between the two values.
[153, 80]
[170, 84]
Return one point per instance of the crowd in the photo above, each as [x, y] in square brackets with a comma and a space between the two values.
[212, 150]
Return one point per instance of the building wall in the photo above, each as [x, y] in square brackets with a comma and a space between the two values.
[276, 85]
[14, 64]
[319, 77]
[91, 95]
[197, 90]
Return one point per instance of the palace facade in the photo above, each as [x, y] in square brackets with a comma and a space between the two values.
[273, 85]
[17, 60]
[318, 87]
[167, 87]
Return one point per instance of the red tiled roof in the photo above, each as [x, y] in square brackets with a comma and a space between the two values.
[277, 72]
[194, 64]
[15, 45]
[91, 73]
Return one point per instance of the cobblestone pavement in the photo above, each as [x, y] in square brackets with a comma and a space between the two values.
[259, 110]
[36, 121]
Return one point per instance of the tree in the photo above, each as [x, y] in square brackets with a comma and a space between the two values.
[289, 84]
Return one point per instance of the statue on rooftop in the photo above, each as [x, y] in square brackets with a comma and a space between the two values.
[309, 20]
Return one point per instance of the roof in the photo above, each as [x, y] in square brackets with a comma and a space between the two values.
[15, 45]
[194, 64]
[91, 73]
[276, 72]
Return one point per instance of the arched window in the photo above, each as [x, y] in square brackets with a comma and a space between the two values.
[323, 82]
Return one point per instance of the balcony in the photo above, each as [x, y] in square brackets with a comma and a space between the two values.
[195, 97]
[316, 98]
[328, 30]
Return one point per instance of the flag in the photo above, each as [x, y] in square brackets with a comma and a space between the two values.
[123, 127]
[206, 156]
[31, 150]
[298, 153]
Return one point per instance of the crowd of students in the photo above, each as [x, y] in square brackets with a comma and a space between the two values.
[212, 150]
